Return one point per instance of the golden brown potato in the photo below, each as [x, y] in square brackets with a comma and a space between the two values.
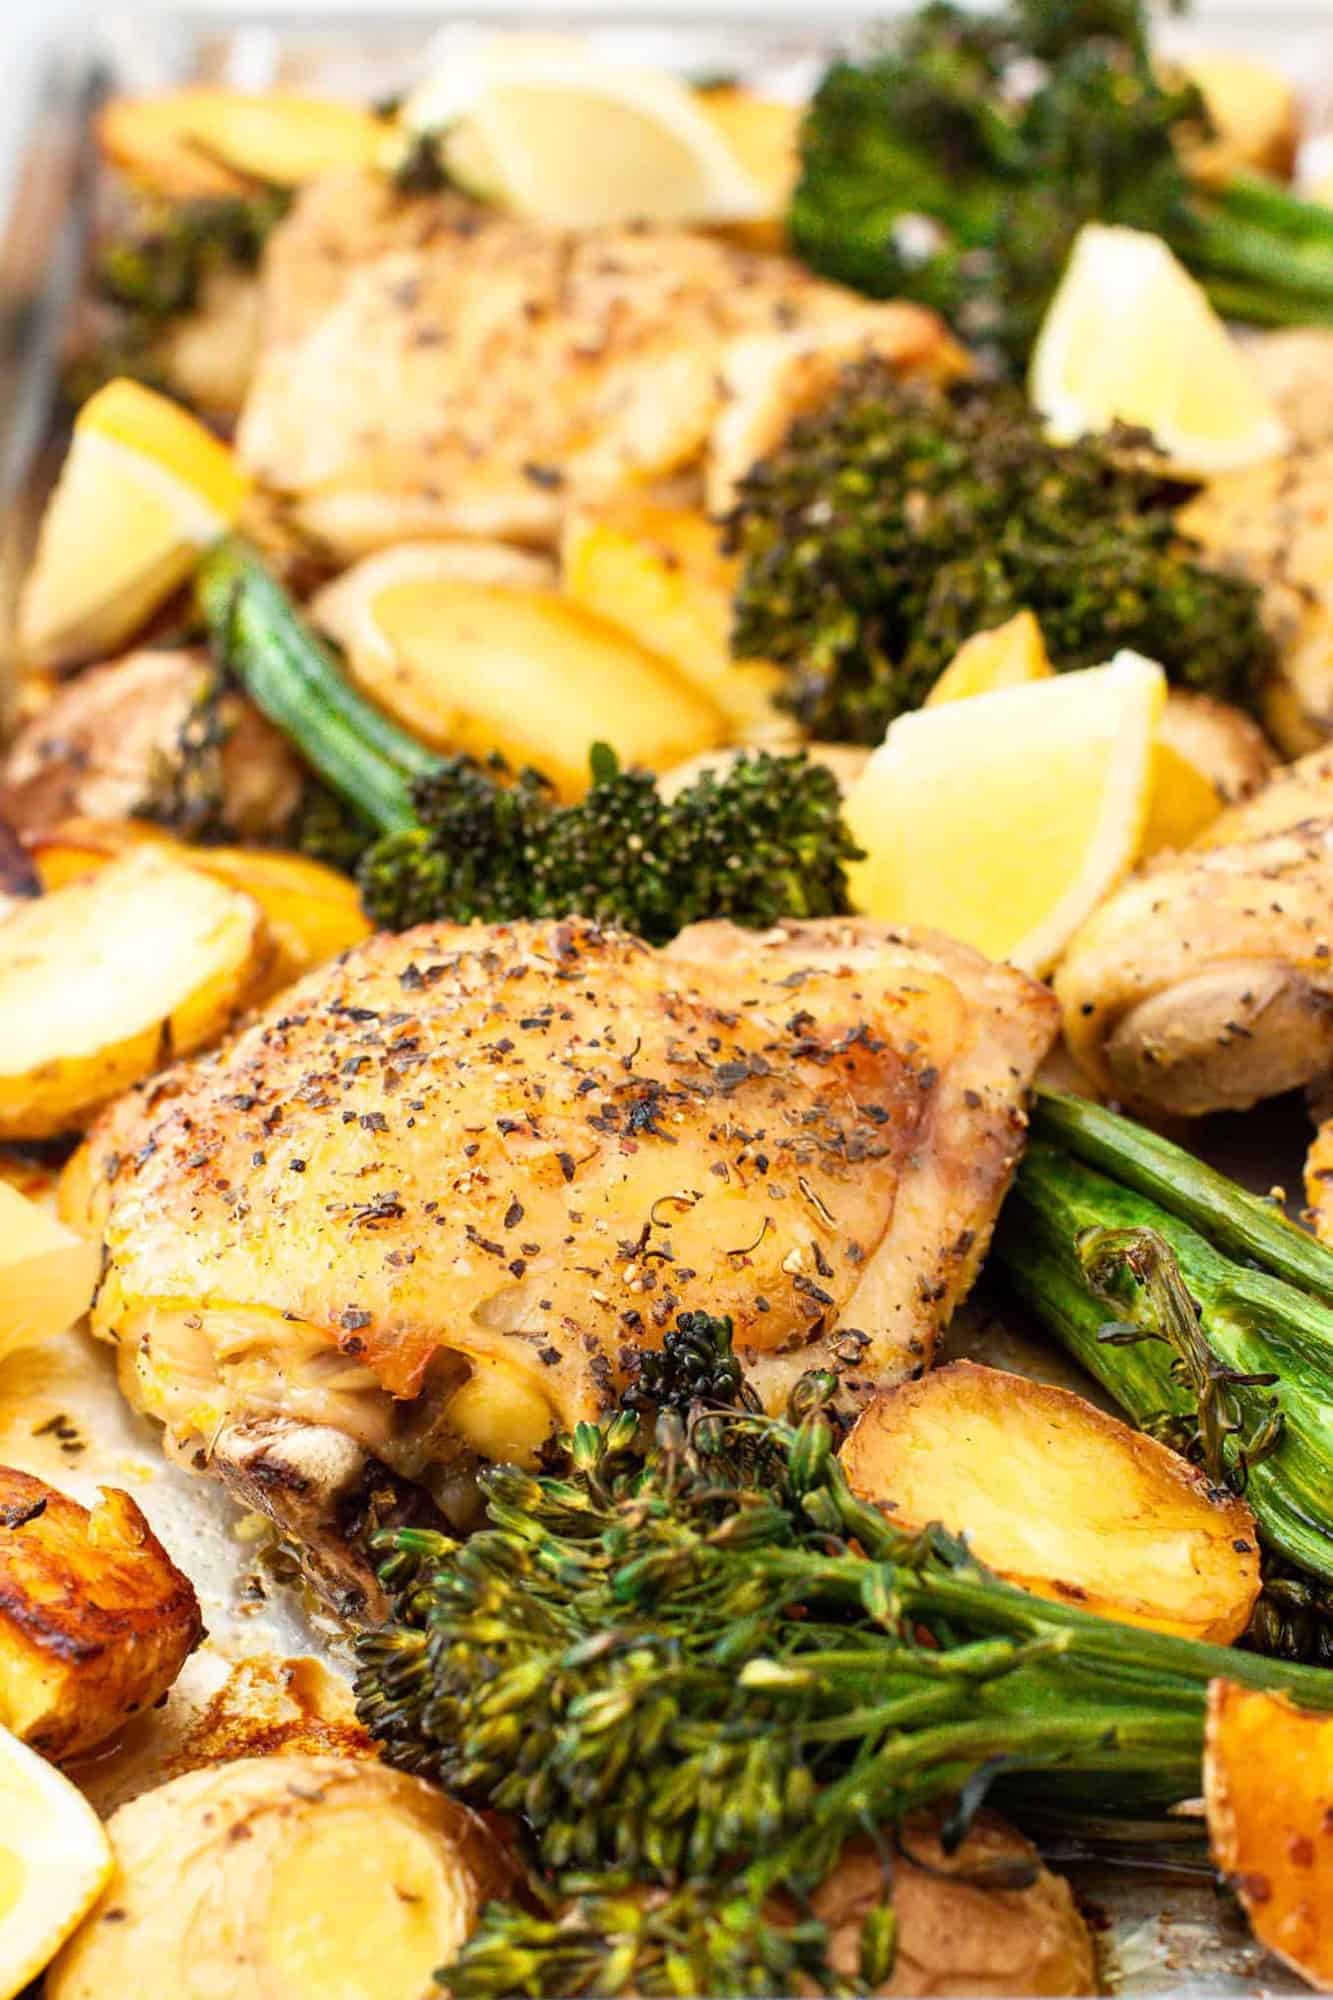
[47, 1273]
[480, 668]
[660, 574]
[959, 1937]
[1255, 117]
[103, 981]
[95, 748]
[312, 912]
[208, 354]
[283, 1878]
[346, 607]
[1219, 740]
[96, 1621]
[209, 141]
[1268, 1790]
[1061, 1499]
[764, 134]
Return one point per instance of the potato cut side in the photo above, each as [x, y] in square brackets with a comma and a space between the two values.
[481, 668]
[1268, 1790]
[347, 609]
[312, 912]
[47, 1273]
[1061, 1499]
[660, 574]
[208, 141]
[104, 981]
[286, 1876]
[96, 1621]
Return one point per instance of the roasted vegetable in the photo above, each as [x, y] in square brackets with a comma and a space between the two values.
[1198, 1307]
[283, 1877]
[1268, 1790]
[210, 139]
[956, 164]
[47, 1273]
[311, 912]
[523, 673]
[692, 1659]
[980, 1917]
[1058, 1497]
[102, 982]
[898, 520]
[462, 842]
[152, 730]
[96, 1621]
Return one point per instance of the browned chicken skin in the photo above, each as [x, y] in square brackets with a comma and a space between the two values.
[447, 1189]
[431, 367]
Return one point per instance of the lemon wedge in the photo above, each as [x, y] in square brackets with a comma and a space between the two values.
[550, 128]
[1130, 337]
[143, 488]
[1004, 820]
[55, 1861]
[1008, 655]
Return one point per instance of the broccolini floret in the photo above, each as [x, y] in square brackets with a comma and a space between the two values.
[957, 162]
[898, 519]
[448, 839]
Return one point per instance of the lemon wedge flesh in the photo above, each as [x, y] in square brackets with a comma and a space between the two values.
[1009, 655]
[47, 1273]
[1130, 337]
[55, 1861]
[1004, 820]
[143, 488]
[547, 127]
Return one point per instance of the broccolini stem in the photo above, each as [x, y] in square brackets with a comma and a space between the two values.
[1233, 246]
[1239, 1223]
[293, 678]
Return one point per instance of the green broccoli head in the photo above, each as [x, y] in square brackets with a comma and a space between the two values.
[898, 519]
[762, 842]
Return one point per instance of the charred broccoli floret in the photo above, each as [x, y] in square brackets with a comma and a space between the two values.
[956, 164]
[764, 841]
[456, 840]
[899, 519]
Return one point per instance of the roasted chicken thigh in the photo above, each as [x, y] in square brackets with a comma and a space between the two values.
[435, 1202]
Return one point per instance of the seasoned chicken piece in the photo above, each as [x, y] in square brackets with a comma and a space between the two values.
[1206, 982]
[1275, 522]
[439, 1199]
[430, 367]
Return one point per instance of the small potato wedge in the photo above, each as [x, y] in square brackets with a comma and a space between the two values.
[957, 1935]
[1255, 114]
[102, 982]
[481, 668]
[284, 1876]
[1060, 1499]
[660, 574]
[764, 133]
[1268, 1792]
[96, 1621]
[346, 608]
[208, 141]
[1220, 740]
[47, 1273]
[312, 912]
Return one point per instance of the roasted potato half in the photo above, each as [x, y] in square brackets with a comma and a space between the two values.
[1059, 1498]
[661, 575]
[47, 1273]
[311, 911]
[481, 668]
[284, 1878]
[96, 1621]
[957, 1932]
[1268, 1790]
[103, 981]
[209, 141]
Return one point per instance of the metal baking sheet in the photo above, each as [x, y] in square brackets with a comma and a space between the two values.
[1162, 1925]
